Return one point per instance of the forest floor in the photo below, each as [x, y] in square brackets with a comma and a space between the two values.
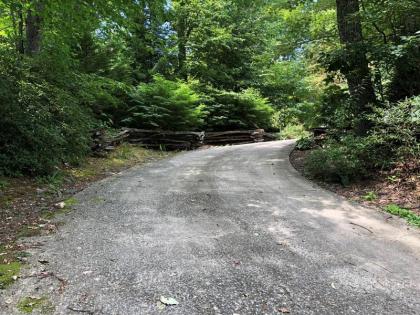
[28, 205]
[399, 186]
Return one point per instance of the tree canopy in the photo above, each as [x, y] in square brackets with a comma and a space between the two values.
[68, 67]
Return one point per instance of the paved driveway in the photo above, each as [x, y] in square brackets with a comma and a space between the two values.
[227, 230]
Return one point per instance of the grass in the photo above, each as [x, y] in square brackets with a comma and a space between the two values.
[124, 156]
[411, 217]
[370, 196]
[8, 272]
[28, 304]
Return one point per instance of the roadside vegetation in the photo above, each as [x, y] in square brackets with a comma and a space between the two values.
[368, 105]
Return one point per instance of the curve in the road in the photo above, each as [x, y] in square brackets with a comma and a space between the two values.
[227, 230]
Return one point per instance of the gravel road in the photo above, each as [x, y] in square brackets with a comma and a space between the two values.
[226, 230]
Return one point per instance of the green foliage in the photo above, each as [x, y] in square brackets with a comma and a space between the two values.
[293, 132]
[232, 110]
[335, 110]
[410, 216]
[3, 184]
[256, 64]
[336, 164]
[344, 161]
[370, 196]
[108, 99]
[165, 104]
[395, 128]
[293, 90]
[392, 139]
[53, 181]
[43, 125]
[223, 42]
[305, 143]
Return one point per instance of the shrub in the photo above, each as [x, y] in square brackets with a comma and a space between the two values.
[164, 104]
[395, 128]
[392, 139]
[293, 132]
[42, 124]
[237, 110]
[335, 163]
[344, 161]
[108, 99]
[305, 143]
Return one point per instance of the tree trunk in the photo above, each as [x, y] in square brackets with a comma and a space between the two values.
[21, 41]
[356, 69]
[182, 57]
[33, 28]
[182, 33]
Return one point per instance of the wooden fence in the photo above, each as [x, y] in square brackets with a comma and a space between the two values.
[176, 140]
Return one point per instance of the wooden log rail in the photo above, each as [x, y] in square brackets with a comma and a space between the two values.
[176, 140]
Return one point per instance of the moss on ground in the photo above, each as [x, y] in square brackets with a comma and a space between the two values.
[9, 273]
[51, 214]
[28, 231]
[72, 201]
[28, 304]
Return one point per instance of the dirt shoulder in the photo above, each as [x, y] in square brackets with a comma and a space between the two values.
[399, 186]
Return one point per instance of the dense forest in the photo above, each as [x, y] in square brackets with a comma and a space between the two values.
[68, 67]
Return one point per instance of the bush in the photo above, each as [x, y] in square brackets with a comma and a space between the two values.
[237, 111]
[395, 129]
[42, 125]
[108, 99]
[392, 139]
[334, 164]
[305, 143]
[293, 132]
[335, 111]
[164, 104]
[350, 159]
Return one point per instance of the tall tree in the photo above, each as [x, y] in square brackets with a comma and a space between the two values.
[356, 67]
[33, 27]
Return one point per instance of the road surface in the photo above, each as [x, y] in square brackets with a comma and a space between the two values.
[226, 230]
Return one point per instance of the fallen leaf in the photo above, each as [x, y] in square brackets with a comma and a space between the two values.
[60, 205]
[160, 305]
[168, 301]
[284, 310]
